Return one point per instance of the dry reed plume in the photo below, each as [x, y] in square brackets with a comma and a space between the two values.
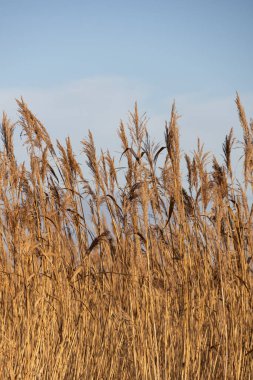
[130, 274]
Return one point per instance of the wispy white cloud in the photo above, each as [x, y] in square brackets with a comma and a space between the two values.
[99, 103]
[209, 119]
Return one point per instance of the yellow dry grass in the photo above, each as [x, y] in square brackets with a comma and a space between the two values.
[130, 274]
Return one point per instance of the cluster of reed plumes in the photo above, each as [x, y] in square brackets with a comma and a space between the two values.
[126, 271]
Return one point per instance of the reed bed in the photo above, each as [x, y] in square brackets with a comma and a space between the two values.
[117, 268]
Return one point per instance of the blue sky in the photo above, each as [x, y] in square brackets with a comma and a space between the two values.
[82, 64]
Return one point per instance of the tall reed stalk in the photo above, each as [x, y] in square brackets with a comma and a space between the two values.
[128, 272]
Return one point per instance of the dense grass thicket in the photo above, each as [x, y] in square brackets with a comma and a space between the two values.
[117, 268]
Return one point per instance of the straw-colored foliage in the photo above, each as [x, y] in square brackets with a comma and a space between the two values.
[119, 268]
